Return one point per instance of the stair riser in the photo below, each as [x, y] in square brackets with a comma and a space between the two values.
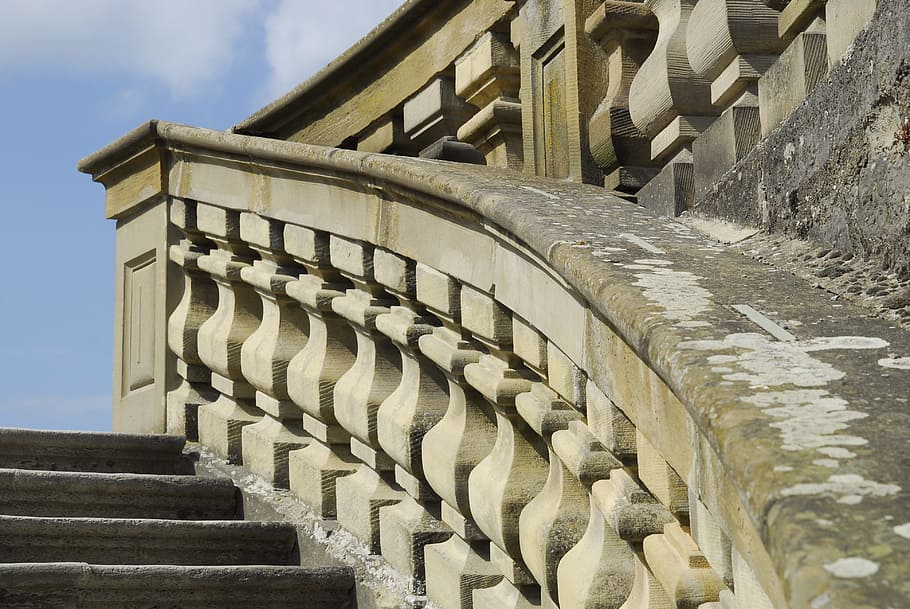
[132, 542]
[78, 586]
[24, 493]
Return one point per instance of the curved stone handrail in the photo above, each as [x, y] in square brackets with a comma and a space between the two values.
[764, 418]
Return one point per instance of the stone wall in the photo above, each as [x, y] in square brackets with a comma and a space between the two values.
[838, 170]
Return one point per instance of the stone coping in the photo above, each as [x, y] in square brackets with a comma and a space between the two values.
[803, 398]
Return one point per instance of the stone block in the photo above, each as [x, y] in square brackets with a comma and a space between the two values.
[435, 111]
[609, 424]
[530, 345]
[724, 143]
[359, 497]
[564, 377]
[454, 569]
[787, 83]
[672, 191]
[678, 134]
[438, 291]
[448, 148]
[221, 425]
[394, 272]
[844, 20]
[663, 482]
[266, 445]
[264, 232]
[313, 473]
[488, 70]
[306, 244]
[386, 135]
[404, 530]
[484, 317]
[351, 257]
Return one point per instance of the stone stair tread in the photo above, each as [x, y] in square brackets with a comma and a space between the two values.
[122, 495]
[81, 585]
[93, 451]
[146, 541]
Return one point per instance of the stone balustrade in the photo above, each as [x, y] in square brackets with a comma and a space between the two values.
[657, 99]
[519, 392]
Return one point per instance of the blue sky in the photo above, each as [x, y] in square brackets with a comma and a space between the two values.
[74, 76]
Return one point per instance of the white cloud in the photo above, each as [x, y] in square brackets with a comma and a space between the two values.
[183, 44]
[302, 36]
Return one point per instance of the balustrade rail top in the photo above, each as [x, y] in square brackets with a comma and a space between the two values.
[803, 399]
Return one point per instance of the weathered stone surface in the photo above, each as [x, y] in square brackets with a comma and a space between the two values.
[847, 134]
[109, 495]
[686, 338]
[83, 451]
[80, 586]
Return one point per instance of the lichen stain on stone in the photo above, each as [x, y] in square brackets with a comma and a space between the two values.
[677, 292]
[852, 566]
[849, 488]
[769, 363]
[810, 418]
[903, 530]
[897, 363]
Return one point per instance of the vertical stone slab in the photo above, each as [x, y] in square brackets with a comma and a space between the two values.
[147, 289]
[798, 70]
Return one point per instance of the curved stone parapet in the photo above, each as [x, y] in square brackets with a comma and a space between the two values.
[619, 411]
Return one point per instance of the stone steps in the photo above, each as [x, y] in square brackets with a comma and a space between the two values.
[93, 452]
[83, 586]
[139, 541]
[105, 495]
[101, 520]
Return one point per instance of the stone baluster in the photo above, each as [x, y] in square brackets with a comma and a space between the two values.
[465, 434]
[374, 375]
[314, 371]
[435, 113]
[416, 405]
[266, 353]
[732, 43]
[222, 336]
[801, 66]
[603, 570]
[626, 31]
[515, 470]
[670, 103]
[681, 568]
[199, 301]
[488, 76]
[452, 448]
[555, 519]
